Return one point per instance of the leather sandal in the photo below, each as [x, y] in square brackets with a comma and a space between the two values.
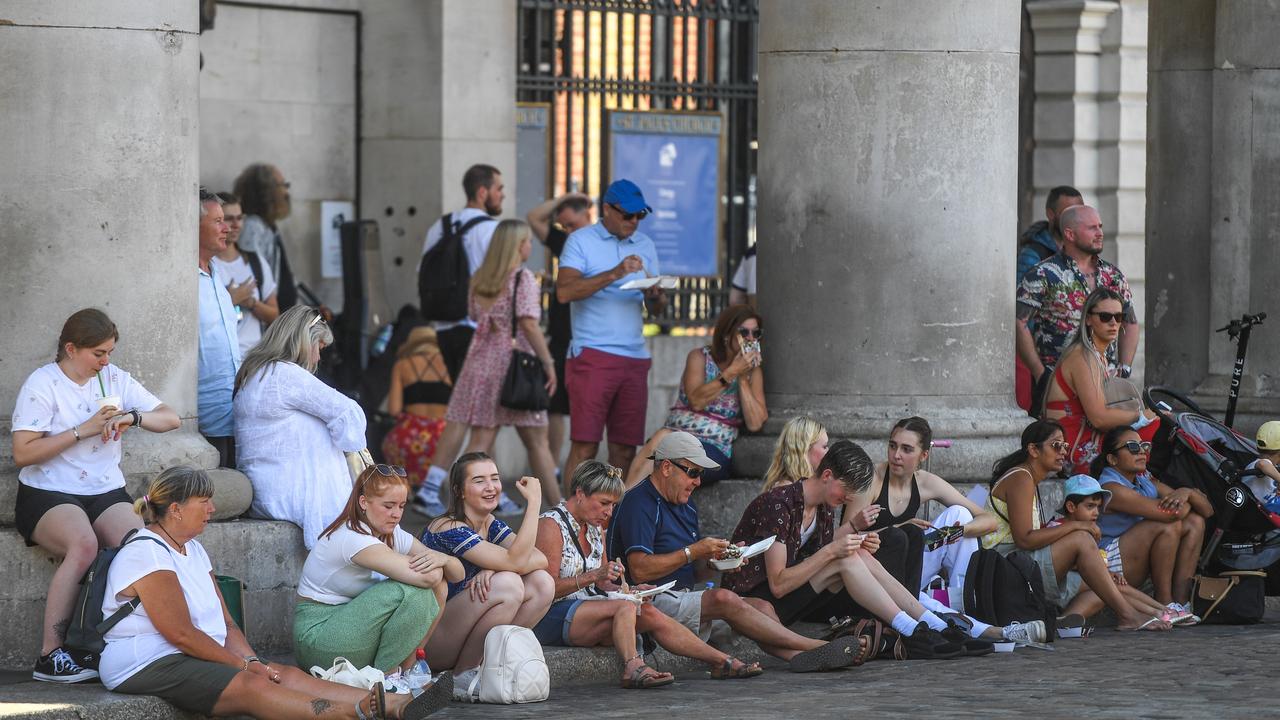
[377, 699]
[729, 671]
[870, 633]
[645, 678]
[838, 653]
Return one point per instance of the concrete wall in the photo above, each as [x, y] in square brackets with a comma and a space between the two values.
[279, 86]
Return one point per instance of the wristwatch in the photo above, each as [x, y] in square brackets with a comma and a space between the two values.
[688, 556]
[723, 381]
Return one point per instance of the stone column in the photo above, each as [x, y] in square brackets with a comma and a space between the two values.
[888, 169]
[1213, 167]
[439, 96]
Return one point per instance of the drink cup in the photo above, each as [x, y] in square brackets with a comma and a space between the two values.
[110, 400]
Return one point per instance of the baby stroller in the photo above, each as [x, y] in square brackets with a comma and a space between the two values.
[1194, 450]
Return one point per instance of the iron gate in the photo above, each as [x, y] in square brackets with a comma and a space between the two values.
[584, 57]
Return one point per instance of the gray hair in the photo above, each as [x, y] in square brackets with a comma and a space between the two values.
[207, 197]
[593, 476]
[288, 339]
[177, 484]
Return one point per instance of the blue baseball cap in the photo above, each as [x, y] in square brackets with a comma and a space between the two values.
[626, 195]
[1084, 486]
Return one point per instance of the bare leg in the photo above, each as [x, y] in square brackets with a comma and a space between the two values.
[854, 573]
[293, 699]
[482, 439]
[610, 622]
[535, 444]
[676, 638]
[538, 591]
[114, 522]
[1079, 551]
[64, 531]
[459, 641]
[556, 425]
[441, 591]
[578, 452]
[1184, 568]
[620, 456]
[721, 604]
[1148, 549]
[642, 466]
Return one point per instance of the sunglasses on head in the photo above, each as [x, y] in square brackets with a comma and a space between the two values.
[390, 470]
[694, 472]
[749, 333]
[1108, 317]
[630, 216]
[1135, 447]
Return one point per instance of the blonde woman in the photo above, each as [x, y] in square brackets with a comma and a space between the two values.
[292, 429]
[800, 447]
[418, 398]
[502, 288]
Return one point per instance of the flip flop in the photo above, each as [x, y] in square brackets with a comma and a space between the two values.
[434, 698]
[377, 698]
[1147, 626]
[872, 631]
[645, 678]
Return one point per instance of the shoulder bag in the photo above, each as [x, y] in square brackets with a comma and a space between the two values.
[525, 386]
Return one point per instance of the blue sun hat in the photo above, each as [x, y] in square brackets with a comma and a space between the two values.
[1083, 486]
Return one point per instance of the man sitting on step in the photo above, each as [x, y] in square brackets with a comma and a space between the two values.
[655, 529]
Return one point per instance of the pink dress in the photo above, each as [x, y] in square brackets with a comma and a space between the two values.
[475, 394]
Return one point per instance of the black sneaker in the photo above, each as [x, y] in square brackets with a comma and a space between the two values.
[959, 634]
[59, 666]
[86, 659]
[926, 644]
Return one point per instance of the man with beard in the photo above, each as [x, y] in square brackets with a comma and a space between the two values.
[475, 224]
[1051, 295]
[1043, 239]
[264, 200]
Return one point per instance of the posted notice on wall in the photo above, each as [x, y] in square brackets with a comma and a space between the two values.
[332, 214]
[675, 159]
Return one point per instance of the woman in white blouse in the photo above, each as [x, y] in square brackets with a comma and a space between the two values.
[292, 429]
[67, 426]
[180, 643]
[370, 592]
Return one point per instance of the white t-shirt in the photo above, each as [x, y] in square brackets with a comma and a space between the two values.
[50, 402]
[330, 576]
[134, 642]
[475, 242]
[238, 271]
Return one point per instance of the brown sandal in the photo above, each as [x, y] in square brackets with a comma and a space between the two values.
[645, 678]
[728, 671]
[377, 698]
[869, 633]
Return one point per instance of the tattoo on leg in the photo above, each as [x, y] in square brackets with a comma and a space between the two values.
[319, 706]
[60, 628]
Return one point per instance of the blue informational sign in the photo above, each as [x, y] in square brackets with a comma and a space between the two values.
[675, 159]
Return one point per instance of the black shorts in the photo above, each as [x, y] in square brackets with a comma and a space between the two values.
[804, 603]
[559, 401]
[33, 503]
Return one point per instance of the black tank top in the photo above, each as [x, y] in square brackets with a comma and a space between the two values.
[886, 518]
[431, 392]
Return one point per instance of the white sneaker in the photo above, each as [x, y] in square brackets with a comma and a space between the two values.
[462, 685]
[1026, 632]
[396, 683]
[507, 506]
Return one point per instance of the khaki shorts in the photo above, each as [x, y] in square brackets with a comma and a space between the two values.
[190, 683]
[685, 606]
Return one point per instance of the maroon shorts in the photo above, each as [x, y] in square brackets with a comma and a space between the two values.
[607, 389]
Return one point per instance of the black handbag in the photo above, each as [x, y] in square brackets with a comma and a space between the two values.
[525, 386]
[1236, 597]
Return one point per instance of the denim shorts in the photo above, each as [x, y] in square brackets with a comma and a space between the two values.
[553, 628]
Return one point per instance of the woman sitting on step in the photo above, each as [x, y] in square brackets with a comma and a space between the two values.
[721, 391]
[570, 536]
[180, 642]
[68, 425]
[370, 592]
[504, 580]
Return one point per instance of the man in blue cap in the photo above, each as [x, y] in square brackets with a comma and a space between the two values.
[608, 367]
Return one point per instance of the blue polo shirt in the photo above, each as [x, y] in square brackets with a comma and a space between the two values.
[219, 356]
[647, 522]
[610, 320]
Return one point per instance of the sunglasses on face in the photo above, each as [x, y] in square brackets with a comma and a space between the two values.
[629, 216]
[1135, 447]
[749, 333]
[1108, 317]
[694, 472]
[1059, 446]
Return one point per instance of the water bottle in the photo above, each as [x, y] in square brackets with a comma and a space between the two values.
[382, 340]
[419, 676]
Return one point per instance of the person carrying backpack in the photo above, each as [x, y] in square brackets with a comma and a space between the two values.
[455, 247]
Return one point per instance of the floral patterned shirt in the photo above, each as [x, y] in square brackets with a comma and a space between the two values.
[778, 512]
[1054, 293]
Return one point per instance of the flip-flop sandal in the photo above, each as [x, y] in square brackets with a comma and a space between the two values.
[377, 698]
[645, 678]
[1147, 626]
[435, 698]
[838, 653]
[871, 633]
[727, 670]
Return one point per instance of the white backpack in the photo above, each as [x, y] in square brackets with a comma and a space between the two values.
[513, 670]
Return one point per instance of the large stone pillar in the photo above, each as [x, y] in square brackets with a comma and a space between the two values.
[1213, 166]
[97, 188]
[888, 169]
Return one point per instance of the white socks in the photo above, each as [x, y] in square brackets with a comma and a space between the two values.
[903, 623]
[933, 621]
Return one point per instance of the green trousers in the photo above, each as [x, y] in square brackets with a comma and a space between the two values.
[382, 626]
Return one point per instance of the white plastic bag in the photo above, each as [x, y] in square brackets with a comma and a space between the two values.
[348, 674]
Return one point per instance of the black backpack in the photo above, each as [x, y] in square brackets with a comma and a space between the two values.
[1000, 589]
[444, 277]
[87, 627]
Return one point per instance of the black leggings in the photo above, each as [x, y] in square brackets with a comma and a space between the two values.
[902, 554]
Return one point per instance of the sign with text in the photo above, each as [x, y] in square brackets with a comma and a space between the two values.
[332, 214]
[675, 158]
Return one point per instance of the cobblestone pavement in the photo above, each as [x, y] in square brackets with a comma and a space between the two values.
[1204, 672]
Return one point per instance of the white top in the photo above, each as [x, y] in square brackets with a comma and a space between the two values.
[330, 575]
[1262, 487]
[291, 432]
[475, 242]
[134, 642]
[806, 533]
[50, 402]
[571, 560]
[238, 271]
